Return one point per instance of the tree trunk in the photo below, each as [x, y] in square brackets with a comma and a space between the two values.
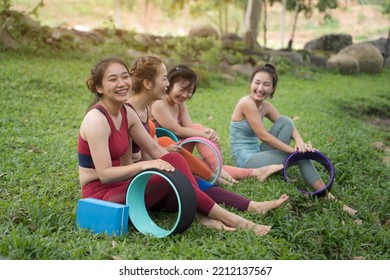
[282, 23]
[291, 41]
[117, 14]
[252, 18]
[265, 23]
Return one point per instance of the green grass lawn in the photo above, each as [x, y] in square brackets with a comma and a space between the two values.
[43, 100]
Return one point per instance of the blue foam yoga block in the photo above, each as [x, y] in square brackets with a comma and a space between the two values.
[102, 216]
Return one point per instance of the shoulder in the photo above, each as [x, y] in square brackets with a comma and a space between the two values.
[159, 104]
[94, 117]
[246, 102]
[94, 122]
[131, 116]
[268, 106]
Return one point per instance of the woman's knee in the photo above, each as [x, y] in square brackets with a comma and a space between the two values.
[165, 141]
[287, 121]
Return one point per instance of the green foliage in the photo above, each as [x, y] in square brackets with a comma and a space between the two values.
[386, 7]
[43, 100]
[307, 7]
[205, 51]
[4, 5]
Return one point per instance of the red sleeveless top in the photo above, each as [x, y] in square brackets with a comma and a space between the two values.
[118, 141]
[146, 124]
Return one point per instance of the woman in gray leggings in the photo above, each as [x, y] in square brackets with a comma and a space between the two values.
[247, 128]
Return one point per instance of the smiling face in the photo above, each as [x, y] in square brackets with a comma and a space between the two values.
[181, 91]
[116, 83]
[261, 86]
[161, 82]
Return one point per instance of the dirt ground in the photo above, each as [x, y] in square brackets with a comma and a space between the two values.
[363, 22]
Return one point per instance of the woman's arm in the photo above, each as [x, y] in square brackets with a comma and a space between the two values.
[160, 112]
[143, 139]
[251, 114]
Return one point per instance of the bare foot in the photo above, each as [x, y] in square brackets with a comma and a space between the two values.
[211, 223]
[222, 181]
[264, 172]
[264, 206]
[224, 175]
[349, 210]
[261, 229]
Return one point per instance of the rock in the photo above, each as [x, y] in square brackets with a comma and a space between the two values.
[387, 62]
[133, 54]
[8, 41]
[379, 146]
[242, 69]
[346, 64]
[203, 31]
[369, 57]
[331, 42]
[229, 40]
[382, 45]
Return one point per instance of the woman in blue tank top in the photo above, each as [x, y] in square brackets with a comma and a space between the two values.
[247, 130]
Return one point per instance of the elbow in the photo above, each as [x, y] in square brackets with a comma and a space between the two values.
[263, 138]
[105, 180]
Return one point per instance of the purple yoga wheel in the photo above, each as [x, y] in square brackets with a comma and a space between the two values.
[317, 156]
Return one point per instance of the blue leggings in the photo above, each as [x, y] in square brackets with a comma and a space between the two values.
[282, 129]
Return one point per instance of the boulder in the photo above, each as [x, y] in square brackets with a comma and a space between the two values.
[383, 45]
[203, 31]
[346, 64]
[229, 40]
[331, 42]
[369, 57]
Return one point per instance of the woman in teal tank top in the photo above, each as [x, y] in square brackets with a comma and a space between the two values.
[247, 130]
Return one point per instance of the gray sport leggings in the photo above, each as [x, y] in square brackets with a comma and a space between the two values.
[282, 129]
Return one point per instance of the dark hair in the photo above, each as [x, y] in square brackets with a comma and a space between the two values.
[144, 68]
[95, 78]
[271, 70]
[182, 73]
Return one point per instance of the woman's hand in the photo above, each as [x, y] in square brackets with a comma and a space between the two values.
[212, 135]
[302, 147]
[158, 164]
[174, 148]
